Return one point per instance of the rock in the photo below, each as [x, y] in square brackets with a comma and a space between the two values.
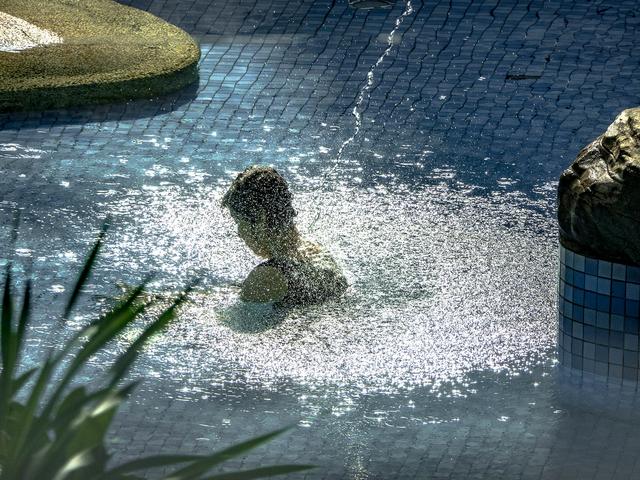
[599, 195]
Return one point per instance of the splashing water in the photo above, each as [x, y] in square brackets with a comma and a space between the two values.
[358, 110]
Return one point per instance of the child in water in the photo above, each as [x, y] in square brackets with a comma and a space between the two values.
[296, 271]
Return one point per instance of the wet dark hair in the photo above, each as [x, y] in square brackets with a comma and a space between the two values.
[261, 188]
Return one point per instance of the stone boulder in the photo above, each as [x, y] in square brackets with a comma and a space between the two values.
[599, 195]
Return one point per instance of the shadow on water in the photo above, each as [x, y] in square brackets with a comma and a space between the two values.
[108, 112]
[242, 317]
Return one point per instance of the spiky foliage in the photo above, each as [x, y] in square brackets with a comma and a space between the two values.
[51, 427]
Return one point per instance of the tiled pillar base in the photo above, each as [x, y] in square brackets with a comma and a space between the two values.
[598, 314]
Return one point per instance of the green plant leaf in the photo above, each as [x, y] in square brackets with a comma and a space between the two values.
[27, 440]
[75, 463]
[200, 467]
[153, 462]
[13, 468]
[6, 336]
[121, 312]
[100, 324]
[73, 404]
[95, 468]
[7, 342]
[23, 378]
[86, 269]
[100, 334]
[121, 366]
[73, 401]
[84, 432]
[62, 436]
[86, 464]
[23, 320]
[104, 321]
[70, 408]
[91, 430]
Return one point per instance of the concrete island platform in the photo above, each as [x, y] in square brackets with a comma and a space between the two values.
[62, 53]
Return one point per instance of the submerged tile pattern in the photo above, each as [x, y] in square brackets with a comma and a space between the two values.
[500, 95]
[483, 96]
[598, 313]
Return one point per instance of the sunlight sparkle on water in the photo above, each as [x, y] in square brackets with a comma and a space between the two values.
[424, 306]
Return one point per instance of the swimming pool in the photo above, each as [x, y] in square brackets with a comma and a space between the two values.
[440, 361]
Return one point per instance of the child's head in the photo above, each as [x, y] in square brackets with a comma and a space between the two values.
[261, 192]
[259, 201]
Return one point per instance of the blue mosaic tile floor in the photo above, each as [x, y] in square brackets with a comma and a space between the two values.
[441, 362]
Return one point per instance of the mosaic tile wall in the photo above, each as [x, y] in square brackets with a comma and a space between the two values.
[598, 314]
[498, 95]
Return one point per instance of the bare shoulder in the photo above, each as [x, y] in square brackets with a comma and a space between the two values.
[309, 247]
[319, 255]
[264, 284]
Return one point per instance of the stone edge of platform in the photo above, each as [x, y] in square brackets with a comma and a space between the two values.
[130, 84]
